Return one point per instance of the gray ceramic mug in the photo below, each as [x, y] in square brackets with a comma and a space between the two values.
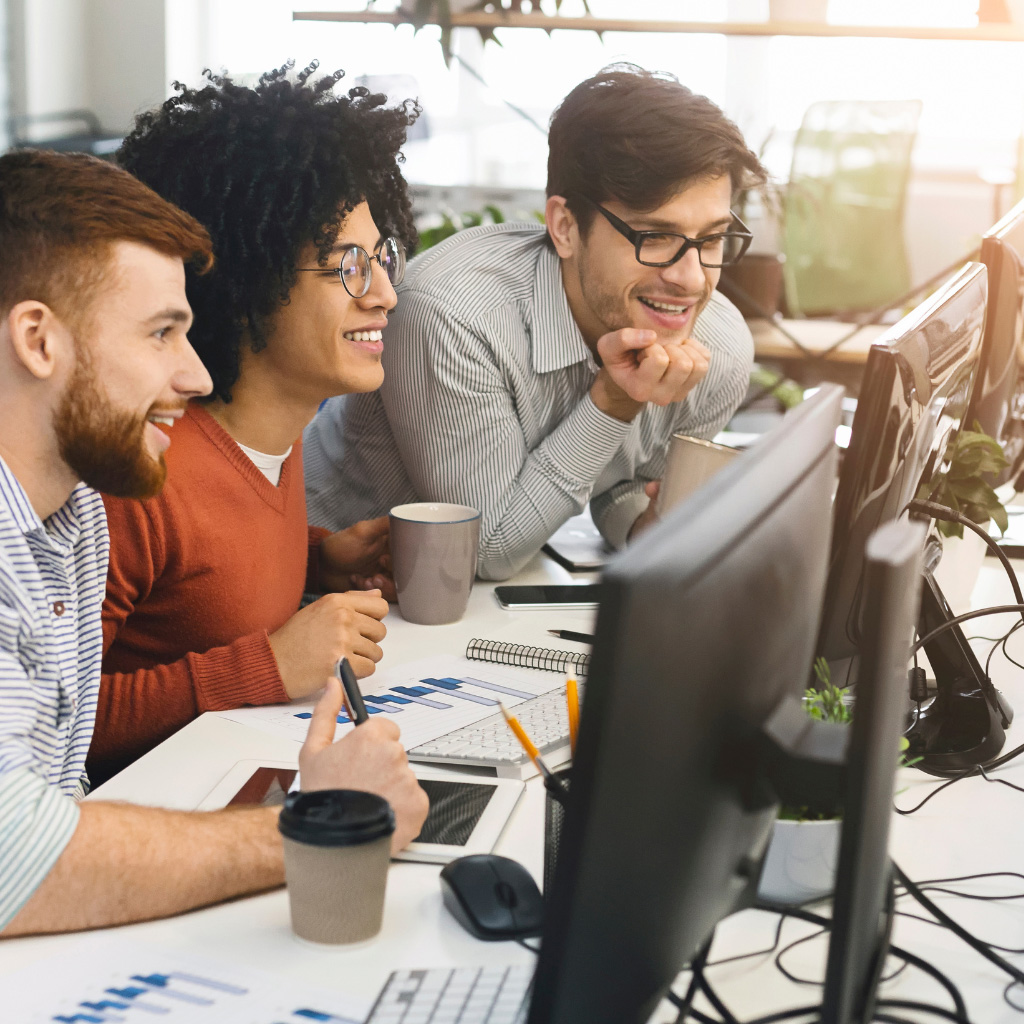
[433, 555]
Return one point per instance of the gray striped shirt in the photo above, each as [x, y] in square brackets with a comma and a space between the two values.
[486, 402]
[52, 579]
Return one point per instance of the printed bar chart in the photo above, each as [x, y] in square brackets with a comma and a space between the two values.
[110, 981]
[426, 699]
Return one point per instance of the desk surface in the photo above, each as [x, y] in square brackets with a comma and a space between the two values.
[972, 827]
[816, 335]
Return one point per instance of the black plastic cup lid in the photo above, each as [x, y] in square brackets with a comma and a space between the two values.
[336, 817]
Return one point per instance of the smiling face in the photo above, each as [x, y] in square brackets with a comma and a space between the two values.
[609, 289]
[324, 342]
[133, 375]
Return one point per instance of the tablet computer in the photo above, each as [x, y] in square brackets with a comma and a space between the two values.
[467, 814]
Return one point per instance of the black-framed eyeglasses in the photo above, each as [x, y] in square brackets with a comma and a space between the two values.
[663, 248]
[355, 269]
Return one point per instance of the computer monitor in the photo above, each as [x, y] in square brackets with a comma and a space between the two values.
[913, 398]
[707, 623]
[861, 906]
[997, 403]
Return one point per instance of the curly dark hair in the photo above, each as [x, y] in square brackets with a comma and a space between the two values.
[267, 170]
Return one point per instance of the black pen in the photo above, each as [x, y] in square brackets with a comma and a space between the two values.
[353, 697]
[568, 634]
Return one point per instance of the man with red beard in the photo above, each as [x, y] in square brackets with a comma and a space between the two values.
[93, 356]
[530, 370]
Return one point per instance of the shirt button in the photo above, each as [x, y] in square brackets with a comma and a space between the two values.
[58, 607]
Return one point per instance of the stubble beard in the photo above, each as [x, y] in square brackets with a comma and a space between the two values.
[104, 446]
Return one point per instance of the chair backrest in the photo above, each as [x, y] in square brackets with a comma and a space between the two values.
[842, 228]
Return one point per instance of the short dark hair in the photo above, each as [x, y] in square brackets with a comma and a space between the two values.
[268, 170]
[61, 213]
[640, 136]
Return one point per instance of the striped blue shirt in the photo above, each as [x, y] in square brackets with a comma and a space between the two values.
[486, 402]
[52, 579]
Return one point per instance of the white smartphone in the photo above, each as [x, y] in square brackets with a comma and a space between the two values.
[467, 815]
[571, 595]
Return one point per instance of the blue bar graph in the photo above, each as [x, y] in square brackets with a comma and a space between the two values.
[453, 689]
[137, 1004]
[307, 1014]
[159, 982]
[86, 1018]
[418, 695]
[392, 702]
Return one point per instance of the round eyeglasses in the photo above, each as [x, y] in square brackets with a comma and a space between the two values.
[663, 248]
[355, 269]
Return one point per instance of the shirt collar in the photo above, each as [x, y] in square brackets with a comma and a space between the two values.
[555, 338]
[65, 524]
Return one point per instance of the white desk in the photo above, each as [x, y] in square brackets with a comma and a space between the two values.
[972, 827]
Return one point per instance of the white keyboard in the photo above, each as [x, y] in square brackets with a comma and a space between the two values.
[460, 995]
[490, 743]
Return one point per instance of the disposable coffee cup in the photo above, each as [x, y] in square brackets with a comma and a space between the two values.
[433, 557]
[337, 846]
[691, 463]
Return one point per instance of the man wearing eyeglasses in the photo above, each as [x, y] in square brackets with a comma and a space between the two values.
[300, 189]
[530, 370]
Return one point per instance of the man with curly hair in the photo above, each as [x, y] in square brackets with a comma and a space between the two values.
[300, 189]
[94, 363]
[533, 369]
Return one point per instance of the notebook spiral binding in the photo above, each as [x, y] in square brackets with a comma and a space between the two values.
[528, 657]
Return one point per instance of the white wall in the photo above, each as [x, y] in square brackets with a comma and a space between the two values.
[107, 56]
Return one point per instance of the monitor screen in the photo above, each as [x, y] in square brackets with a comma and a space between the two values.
[913, 398]
[997, 403]
[706, 624]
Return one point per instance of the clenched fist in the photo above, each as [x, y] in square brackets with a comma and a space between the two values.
[315, 637]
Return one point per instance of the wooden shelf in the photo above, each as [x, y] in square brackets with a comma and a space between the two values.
[988, 33]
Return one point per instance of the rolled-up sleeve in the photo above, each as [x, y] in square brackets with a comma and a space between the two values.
[37, 821]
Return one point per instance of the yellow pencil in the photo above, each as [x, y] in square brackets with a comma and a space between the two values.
[572, 698]
[551, 782]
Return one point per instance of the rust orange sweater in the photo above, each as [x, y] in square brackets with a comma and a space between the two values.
[199, 576]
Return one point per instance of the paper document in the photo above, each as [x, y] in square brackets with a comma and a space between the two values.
[115, 982]
[425, 699]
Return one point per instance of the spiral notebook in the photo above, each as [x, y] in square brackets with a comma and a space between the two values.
[523, 656]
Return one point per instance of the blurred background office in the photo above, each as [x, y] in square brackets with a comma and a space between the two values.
[910, 109]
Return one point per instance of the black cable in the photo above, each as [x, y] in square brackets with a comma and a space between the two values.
[897, 951]
[937, 924]
[996, 609]
[1009, 1002]
[940, 915]
[964, 773]
[697, 968]
[910, 1004]
[757, 952]
[712, 997]
[949, 515]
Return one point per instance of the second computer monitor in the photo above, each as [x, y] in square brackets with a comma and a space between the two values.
[913, 399]
[997, 403]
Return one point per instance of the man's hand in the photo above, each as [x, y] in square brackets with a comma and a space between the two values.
[649, 516]
[315, 637]
[637, 369]
[370, 758]
[358, 559]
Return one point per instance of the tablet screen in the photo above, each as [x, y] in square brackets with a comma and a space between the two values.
[455, 807]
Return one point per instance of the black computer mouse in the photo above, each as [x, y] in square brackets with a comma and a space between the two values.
[492, 897]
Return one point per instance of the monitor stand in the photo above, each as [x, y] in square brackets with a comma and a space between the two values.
[964, 724]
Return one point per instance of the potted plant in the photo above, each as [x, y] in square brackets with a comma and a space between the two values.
[973, 460]
[804, 849]
[801, 861]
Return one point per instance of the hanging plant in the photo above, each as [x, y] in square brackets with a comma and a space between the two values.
[439, 12]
